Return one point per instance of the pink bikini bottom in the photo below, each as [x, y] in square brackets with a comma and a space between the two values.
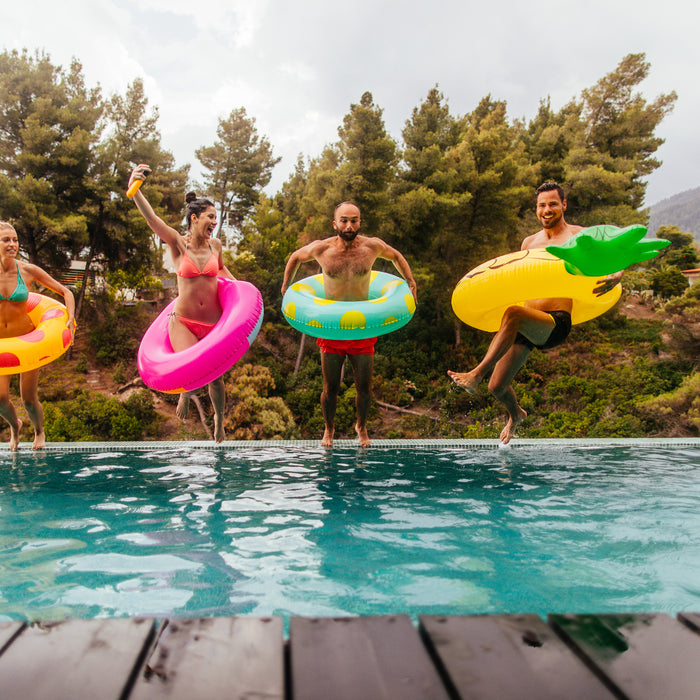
[198, 328]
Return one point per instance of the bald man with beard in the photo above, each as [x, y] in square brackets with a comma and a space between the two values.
[346, 261]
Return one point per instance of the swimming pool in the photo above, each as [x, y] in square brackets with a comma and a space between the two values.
[438, 527]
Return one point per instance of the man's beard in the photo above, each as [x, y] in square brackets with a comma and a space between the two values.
[551, 223]
[348, 235]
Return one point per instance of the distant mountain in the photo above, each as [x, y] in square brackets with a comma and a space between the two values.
[682, 210]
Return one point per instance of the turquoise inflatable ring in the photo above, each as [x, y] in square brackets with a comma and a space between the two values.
[389, 307]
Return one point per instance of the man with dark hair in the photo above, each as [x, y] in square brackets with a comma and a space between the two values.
[539, 323]
[550, 186]
[346, 260]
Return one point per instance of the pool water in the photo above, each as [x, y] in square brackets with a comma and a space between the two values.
[293, 529]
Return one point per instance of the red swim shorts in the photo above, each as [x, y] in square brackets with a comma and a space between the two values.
[364, 346]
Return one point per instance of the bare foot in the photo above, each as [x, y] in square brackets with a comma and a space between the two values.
[183, 406]
[327, 439]
[219, 434]
[14, 435]
[362, 436]
[511, 425]
[39, 441]
[467, 380]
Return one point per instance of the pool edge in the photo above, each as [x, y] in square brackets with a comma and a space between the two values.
[25, 448]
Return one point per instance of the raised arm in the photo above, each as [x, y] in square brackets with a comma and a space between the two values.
[400, 263]
[167, 234]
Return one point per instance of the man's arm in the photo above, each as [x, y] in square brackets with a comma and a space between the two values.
[607, 283]
[400, 263]
[300, 256]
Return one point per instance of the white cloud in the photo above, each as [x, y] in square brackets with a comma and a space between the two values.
[299, 71]
[297, 65]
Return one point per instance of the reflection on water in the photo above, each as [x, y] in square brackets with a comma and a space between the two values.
[307, 531]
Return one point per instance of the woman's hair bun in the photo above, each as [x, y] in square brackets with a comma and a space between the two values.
[190, 197]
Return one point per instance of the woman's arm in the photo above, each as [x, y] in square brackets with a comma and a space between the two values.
[223, 270]
[34, 273]
[167, 234]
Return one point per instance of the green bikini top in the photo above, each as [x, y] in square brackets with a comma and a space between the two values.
[21, 292]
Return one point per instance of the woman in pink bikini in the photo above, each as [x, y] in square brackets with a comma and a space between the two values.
[198, 260]
[15, 278]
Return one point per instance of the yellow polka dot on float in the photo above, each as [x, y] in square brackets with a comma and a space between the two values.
[353, 319]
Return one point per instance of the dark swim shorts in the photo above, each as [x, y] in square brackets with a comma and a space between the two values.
[365, 346]
[562, 328]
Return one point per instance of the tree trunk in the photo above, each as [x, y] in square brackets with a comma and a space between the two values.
[83, 286]
[79, 300]
[202, 416]
[300, 354]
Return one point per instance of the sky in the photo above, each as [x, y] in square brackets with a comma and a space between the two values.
[297, 66]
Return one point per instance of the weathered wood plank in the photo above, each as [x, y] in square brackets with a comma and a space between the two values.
[8, 630]
[360, 657]
[690, 619]
[218, 657]
[645, 656]
[74, 659]
[507, 656]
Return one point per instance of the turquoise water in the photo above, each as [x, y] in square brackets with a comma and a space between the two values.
[297, 530]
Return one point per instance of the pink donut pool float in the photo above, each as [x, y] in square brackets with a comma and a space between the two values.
[163, 369]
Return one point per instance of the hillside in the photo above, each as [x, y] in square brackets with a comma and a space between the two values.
[682, 210]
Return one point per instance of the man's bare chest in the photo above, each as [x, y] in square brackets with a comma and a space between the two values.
[347, 264]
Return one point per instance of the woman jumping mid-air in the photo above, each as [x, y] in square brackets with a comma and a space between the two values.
[198, 260]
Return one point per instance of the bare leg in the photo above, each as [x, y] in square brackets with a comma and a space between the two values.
[362, 366]
[515, 418]
[29, 386]
[217, 394]
[7, 411]
[500, 386]
[181, 338]
[183, 406]
[332, 367]
[534, 324]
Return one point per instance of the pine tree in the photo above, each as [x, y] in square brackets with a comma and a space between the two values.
[240, 165]
[50, 125]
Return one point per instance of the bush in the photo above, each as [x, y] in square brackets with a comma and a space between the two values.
[252, 413]
[687, 305]
[669, 282]
[94, 417]
[116, 333]
[677, 412]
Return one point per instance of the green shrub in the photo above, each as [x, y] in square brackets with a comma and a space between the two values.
[669, 282]
[675, 412]
[115, 334]
[252, 413]
[94, 417]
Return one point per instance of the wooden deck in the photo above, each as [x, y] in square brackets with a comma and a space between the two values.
[650, 656]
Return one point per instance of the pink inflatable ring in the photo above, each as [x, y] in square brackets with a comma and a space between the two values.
[47, 342]
[172, 372]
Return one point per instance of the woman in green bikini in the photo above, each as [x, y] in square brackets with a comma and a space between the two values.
[198, 260]
[15, 278]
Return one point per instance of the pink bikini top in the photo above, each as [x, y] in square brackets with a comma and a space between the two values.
[188, 268]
